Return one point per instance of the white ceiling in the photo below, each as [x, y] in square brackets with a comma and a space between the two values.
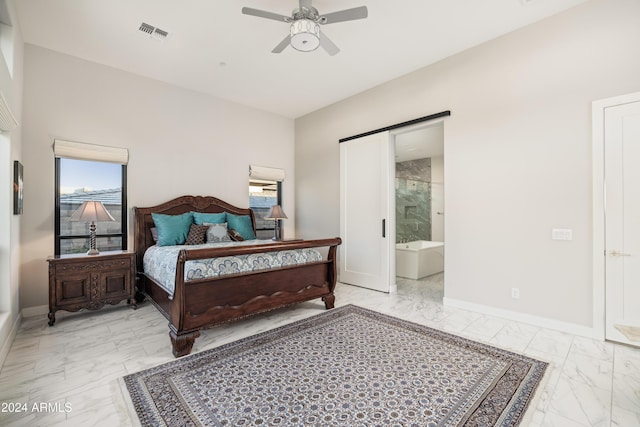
[213, 48]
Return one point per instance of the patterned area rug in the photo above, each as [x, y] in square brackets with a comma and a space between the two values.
[345, 367]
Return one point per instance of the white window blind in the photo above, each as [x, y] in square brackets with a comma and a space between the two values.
[82, 151]
[266, 173]
[7, 120]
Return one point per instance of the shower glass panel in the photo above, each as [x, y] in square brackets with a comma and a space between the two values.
[413, 200]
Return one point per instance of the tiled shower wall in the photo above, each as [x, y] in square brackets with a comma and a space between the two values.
[413, 200]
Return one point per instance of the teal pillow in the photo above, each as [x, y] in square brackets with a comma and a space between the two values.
[210, 218]
[172, 229]
[242, 224]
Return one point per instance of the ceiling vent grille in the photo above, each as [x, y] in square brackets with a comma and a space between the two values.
[159, 34]
[153, 32]
[146, 29]
[7, 120]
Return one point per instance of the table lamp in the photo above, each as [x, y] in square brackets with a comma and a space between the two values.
[91, 211]
[276, 213]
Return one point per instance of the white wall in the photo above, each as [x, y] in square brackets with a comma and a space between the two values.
[180, 142]
[437, 199]
[517, 154]
[10, 150]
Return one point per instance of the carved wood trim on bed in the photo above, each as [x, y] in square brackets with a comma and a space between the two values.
[143, 221]
[206, 302]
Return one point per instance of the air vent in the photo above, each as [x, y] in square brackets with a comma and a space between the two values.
[159, 34]
[146, 29]
[7, 120]
[153, 32]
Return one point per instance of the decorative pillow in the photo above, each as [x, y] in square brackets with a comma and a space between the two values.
[172, 229]
[242, 224]
[154, 234]
[217, 233]
[211, 218]
[235, 236]
[197, 234]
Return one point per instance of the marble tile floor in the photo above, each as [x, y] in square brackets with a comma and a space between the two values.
[68, 374]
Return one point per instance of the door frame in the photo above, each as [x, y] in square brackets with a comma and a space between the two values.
[392, 188]
[599, 256]
[394, 130]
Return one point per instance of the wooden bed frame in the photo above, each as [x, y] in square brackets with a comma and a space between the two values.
[207, 302]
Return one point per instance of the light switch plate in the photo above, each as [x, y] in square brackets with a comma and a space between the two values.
[562, 234]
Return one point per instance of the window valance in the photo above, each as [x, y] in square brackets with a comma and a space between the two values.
[266, 173]
[82, 151]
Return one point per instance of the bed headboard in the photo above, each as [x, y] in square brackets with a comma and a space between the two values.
[144, 221]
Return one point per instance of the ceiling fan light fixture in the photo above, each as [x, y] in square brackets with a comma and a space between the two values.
[305, 35]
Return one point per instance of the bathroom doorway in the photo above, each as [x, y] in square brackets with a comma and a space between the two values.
[368, 214]
[419, 205]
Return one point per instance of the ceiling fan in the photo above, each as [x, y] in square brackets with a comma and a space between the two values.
[305, 26]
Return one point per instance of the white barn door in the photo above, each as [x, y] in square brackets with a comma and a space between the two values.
[622, 222]
[365, 225]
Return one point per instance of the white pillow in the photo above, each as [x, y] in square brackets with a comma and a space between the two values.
[217, 233]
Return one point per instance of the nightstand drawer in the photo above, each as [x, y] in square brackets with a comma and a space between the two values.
[90, 264]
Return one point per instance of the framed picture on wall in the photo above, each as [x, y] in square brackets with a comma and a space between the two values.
[17, 187]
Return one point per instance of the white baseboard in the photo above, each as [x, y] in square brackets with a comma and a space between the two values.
[35, 311]
[6, 345]
[543, 322]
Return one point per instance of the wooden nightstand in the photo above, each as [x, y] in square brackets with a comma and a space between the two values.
[90, 281]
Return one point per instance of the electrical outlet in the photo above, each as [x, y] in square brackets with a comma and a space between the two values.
[515, 293]
[561, 234]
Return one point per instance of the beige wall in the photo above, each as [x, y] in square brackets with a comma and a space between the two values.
[437, 199]
[517, 154]
[180, 142]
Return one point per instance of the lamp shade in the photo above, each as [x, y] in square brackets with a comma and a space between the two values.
[276, 212]
[91, 211]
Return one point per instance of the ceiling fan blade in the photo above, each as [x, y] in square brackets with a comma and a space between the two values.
[284, 43]
[328, 45]
[264, 14]
[345, 15]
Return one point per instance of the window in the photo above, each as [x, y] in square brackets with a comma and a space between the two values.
[89, 173]
[265, 190]
[6, 39]
[262, 195]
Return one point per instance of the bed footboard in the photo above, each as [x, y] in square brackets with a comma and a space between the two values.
[204, 303]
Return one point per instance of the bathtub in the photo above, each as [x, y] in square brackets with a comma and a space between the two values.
[418, 259]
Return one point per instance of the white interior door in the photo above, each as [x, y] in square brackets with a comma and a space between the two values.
[365, 212]
[622, 222]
